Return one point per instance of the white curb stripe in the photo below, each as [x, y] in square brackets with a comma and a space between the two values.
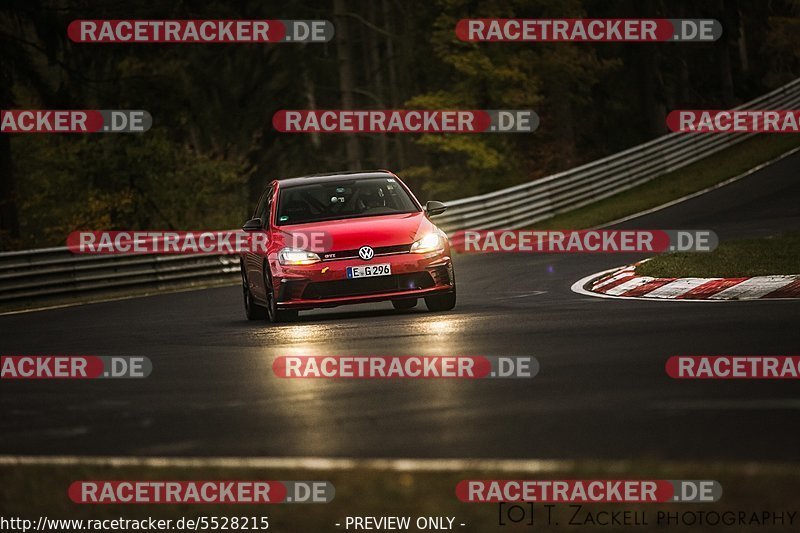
[623, 273]
[678, 287]
[754, 288]
[584, 286]
[628, 285]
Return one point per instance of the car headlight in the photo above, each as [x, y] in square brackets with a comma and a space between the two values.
[432, 242]
[291, 256]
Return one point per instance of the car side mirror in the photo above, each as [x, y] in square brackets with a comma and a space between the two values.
[254, 224]
[434, 208]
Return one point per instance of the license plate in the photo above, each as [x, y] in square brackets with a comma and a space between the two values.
[369, 271]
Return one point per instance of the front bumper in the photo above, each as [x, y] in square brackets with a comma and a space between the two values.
[325, 284]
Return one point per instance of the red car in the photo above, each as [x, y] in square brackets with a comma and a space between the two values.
[345, 238]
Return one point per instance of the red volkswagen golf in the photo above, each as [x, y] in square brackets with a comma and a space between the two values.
[345, 238]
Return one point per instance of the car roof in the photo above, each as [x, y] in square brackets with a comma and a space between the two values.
[334, 176]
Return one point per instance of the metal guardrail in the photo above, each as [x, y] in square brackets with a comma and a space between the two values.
[56, 273]
[34, 275]
[528, 203]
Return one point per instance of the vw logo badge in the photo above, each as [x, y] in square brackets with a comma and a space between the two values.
[366, 253]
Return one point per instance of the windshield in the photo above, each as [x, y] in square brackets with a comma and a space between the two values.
[343, 199]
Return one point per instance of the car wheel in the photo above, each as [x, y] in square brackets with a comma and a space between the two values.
[441, 302]
[252, 310]
[274, 314]
[405, 304]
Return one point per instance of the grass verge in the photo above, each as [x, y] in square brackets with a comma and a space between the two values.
[31, 491]
[738, 258]
[715, 169]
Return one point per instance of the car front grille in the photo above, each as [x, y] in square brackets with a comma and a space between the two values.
[380, 250]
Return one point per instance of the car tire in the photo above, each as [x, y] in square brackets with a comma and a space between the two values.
[274, 314]
[446, 301]
[441, 302]
[405, 304]
[252, 310]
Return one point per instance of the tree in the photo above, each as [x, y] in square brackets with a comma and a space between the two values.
[26, 30]
[346, 79]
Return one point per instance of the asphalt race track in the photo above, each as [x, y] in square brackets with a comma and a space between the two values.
[601, 392]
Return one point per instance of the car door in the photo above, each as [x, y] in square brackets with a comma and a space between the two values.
[254, 261]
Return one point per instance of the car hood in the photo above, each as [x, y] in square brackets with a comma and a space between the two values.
[353, 233]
